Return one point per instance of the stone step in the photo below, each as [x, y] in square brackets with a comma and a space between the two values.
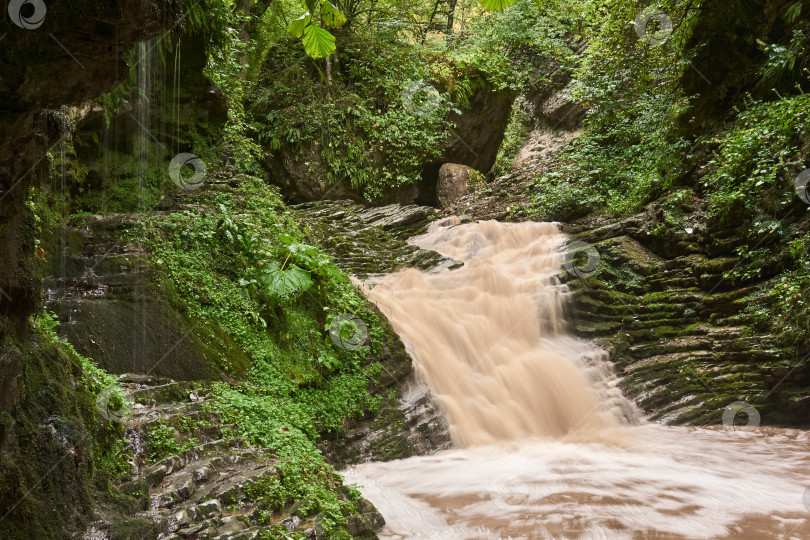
[678, 345]
[720, 333]
[200, 469]
[667, 283]
[179, 487]
[164, 394]
[144, 415]
[231, 491]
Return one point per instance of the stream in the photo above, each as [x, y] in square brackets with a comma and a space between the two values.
[546, 446]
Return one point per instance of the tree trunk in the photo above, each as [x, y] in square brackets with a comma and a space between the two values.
[430, 21]
[450, 15]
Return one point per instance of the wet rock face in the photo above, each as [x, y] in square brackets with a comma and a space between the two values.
[104, 292]
[480, 130]
[682, 334]
[73, 54]
[179, 95]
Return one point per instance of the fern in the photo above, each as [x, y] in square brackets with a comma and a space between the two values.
[793, 12]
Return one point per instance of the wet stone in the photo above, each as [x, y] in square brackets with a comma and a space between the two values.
[210, 508]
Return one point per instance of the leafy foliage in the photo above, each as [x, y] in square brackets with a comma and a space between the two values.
[757, 156]
[496, 5]
[318, 42]
[284, 283]
[300, 383]
[162, 441]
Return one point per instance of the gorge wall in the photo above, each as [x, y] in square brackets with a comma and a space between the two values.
[47, 423]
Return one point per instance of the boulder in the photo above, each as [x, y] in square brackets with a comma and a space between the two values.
[454, 182]
[475, 140]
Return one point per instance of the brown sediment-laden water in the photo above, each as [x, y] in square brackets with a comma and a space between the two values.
[545, 444]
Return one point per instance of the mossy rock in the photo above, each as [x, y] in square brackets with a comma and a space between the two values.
[151, 337]
[136, 528]
[50, 435]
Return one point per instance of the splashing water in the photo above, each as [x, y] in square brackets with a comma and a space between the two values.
[547, 445]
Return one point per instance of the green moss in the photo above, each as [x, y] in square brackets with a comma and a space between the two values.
[135, 528]
[59, 453]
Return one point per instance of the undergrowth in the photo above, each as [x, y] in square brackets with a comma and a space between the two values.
[301, 382]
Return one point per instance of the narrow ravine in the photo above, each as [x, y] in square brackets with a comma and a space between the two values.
[546, 446]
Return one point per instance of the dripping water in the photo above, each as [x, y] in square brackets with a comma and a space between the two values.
[143, 147]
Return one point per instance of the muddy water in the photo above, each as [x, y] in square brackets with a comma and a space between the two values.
[546, 445]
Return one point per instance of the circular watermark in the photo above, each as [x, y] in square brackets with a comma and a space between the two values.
[115, 404]
[420, 98]
[730, 414]
[176, 171]
[509, 492]
[348, 332]
[28, 14]
[801, 185]
[573, 259]
[653, 26]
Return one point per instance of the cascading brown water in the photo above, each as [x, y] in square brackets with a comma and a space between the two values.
[488, 337]
[547, 449]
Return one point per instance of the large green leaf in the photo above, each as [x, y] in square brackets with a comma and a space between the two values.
[283, 284]
[309, 5]
[332, 16]
[318, 42]
[298, 25]
[496, 5]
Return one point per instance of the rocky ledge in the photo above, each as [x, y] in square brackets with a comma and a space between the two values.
[209, 490]
[367, 241]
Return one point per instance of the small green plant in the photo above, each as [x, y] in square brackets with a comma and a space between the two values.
[162, 441]
[755, 156]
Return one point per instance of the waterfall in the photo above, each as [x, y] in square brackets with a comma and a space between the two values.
[546, 445]
[144, 145]
[144, 114]
[489, 338]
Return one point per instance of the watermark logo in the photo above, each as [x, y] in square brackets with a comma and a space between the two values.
[801, 185]
[420, 98]
[580, 259]
[730, 414]
[115, 404]
[179, 162]
[28, 14]
[348, 332]
[510, 492]
[653, 26]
